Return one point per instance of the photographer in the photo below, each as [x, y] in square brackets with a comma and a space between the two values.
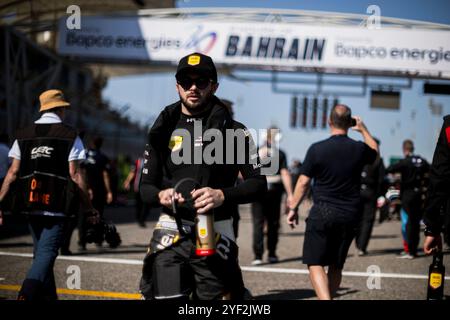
[46, 184]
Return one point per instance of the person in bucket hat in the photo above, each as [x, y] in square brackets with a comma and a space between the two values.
[45, 185]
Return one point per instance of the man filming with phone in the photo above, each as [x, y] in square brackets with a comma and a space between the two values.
[335, 164]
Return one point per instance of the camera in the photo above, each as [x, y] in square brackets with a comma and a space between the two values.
[353, 122]
[94, 233]
[103, 231]
[112, 237]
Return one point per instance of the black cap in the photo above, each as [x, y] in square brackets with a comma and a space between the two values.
[198, 63]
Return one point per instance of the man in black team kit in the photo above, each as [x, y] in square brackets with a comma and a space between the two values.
[335, 164]
[171, 269]
[96, 167]
[437, 212]
[414, 170]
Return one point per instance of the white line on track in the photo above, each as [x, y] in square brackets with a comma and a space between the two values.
[244, 268]
[77, 258]
[344, 273]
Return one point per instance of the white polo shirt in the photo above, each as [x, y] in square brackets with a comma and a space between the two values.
[76, 153]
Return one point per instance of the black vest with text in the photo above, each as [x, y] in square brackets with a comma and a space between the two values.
[44, 182]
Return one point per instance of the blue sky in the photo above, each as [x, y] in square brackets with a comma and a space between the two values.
[258, 107]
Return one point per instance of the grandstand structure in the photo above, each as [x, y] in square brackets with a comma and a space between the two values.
[31, 64]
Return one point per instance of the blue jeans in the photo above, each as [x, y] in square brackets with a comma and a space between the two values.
[47, 233]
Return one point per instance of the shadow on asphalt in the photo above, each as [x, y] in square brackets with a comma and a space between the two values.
[291, 234]
[16, 245]
[380, 252]
[298, 259]
[385, 236]
[287, 294]
[391, 251]
[133, 248]
[345, 291]
[106, 251]
[299, 294]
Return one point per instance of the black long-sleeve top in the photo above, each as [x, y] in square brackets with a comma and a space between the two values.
[438, 202]
[160, 171]
[414, 170]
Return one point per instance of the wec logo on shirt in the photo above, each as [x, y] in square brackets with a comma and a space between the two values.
[42, 151]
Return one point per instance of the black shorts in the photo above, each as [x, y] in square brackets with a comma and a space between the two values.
[327, 241]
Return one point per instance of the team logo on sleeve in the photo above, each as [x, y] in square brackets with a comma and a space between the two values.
[175, 143]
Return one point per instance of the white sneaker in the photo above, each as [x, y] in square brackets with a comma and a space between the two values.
[407, 256]
[256, 262]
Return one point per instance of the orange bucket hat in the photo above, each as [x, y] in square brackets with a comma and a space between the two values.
[52, 99]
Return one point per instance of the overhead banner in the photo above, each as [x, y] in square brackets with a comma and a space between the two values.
[279, 46]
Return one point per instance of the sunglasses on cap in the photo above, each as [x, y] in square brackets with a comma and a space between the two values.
[201, 83]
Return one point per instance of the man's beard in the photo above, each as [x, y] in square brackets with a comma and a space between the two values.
[199, 105]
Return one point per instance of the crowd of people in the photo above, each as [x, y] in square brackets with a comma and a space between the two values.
[49, 175]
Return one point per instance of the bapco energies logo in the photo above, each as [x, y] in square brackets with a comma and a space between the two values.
[200, 41]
